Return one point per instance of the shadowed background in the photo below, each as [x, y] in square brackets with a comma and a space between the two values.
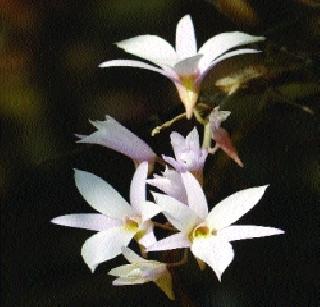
[51, 85]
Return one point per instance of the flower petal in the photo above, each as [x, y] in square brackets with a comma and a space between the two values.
[196, 198]
[223, 141]
[234, 206]
[105, 245]
[178, 214]
[122, 270]
[101, 196]
[149, 210]
[216, 253]
[112, 134]
[171, 184]
[151, 48]
[138, 186]
[130, 63]
[188, 67]
[91, 221]
[131, 256]
[233, 233]
[234, 53]
[129, 281]
[148, 238]
[176, 241]
[186, 44]
[219, 44]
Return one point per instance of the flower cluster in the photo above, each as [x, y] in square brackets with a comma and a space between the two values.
[179, 197]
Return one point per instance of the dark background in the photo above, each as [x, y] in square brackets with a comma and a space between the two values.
[51, 85]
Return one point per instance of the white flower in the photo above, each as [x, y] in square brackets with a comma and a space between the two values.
[118, 222]
[142, 270]
[208, 234]
[110, 133]
[189, 156]
[185, 65]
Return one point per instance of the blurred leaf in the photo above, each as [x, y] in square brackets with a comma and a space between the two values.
[239, 11]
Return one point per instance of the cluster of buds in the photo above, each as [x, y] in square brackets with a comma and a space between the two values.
[177, 192]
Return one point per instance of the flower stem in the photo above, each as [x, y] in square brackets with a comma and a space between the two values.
[181, 262]
[167, 124]
[163, 226]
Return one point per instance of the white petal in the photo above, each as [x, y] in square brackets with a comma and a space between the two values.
[196, 198]
[149, 210]
[101, 196]
[234, 53]
[127, 281]
[105, 245]
[233, 233]
[131, 256]
[111, 134]
[91, 221]
[216, 253]
[186, 44]
[171, 184]
[188, 66]
[148, 238]
[178, 214]
[234, 206]
[131, 63]
[219, 44]
[151, 48]
[176, 241]
[122, 270]
[138, 186]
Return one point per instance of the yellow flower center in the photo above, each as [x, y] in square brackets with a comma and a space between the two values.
[201, 232]
[131, 225]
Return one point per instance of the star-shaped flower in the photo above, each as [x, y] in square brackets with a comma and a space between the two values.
[142, 270]
[110, 133]
[208, 234]
[118, 222]
[185, 65]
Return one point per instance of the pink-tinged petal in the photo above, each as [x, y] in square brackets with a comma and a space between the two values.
[196, 198]
[223, 141]
[178, 214]
[186, 44]
[138, 186]
[105, 245]
[91, 221]
[112, 134]
[219, 44]
[171, 161]
[101, 196]
[188, 67]
[171, 184]
[131, 256]
[176, 241]
[216, 253]
[233, 233]
[151, 48]
[234, 206]
[149, 210]
[148, 238]
[216, 117]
